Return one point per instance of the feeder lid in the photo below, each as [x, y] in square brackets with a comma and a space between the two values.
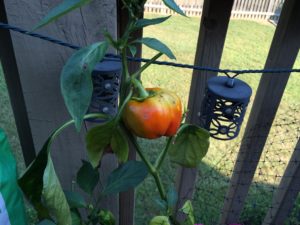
[107, 66]
[239, 91]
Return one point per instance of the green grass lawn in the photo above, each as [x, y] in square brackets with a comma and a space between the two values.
[7, 122]
[246, 46]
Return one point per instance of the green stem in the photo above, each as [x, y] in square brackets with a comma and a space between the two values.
[125, 83]
[128, 30]
[143, 94]
[160, 186]
[146, 65]
[154, 174]
[120, 111]
[153, 171]
[163, 154]
[70, 122]
[150, 167]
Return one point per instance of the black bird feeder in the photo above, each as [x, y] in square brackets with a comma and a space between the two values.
[224, 106]
[106, 78]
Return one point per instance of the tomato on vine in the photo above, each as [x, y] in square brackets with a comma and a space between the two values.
[158, 115]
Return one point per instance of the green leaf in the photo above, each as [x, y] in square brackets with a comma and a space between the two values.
[106, 218]
[97, 139]
[40, 185]
[75, 200]
[46, 222]
[172, 196]
[60, 10]
[190, 146]
[148, 22]
[119, 145]
[157, 45]
[161, 204]
[127, 176]
[172, 5]
[76, 218]
[160, 220]
[31, 182]
[187, 209]
[76, 81]
[87, 177]
[54, 197]
[132, 50]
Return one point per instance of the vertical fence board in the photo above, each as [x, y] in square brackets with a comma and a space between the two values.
[212, 34]
[13, 82]
[40, 63]
[287, 192]
[109, 162]
[126, 199]
[283, 52]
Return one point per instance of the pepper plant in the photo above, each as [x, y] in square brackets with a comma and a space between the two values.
[143, 112]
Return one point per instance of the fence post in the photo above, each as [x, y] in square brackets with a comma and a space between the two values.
[283, 52]
[287, 192]
[212, 34]
[12, 78]
[126, 199]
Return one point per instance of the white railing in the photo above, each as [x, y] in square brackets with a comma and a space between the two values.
[242, 9]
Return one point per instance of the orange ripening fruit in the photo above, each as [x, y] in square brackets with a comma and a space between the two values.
[158, 115]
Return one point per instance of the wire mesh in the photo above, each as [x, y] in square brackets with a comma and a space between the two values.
[214, 179]
[215, 172]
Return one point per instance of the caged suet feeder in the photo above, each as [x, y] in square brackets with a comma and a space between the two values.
[224, 106]
[106, 78]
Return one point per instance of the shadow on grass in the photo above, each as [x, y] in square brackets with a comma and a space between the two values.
[211, 192]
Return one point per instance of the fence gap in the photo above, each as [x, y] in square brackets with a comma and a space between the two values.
[282, 54]
[212, 34]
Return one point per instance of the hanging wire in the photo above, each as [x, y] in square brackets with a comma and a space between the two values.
[113, 57]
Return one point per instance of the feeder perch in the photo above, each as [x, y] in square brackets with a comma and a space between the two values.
[224, 107]
[106, 84]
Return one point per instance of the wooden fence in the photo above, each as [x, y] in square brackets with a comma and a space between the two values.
[32, 69]
[242, 9]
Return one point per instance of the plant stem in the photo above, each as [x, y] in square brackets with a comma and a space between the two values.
[147, 64]
[162, 155]
[150, 167]
[125, 83]
[152, 170]
[159, 185]
[120, 111]
[70, 122]
[143, 94]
